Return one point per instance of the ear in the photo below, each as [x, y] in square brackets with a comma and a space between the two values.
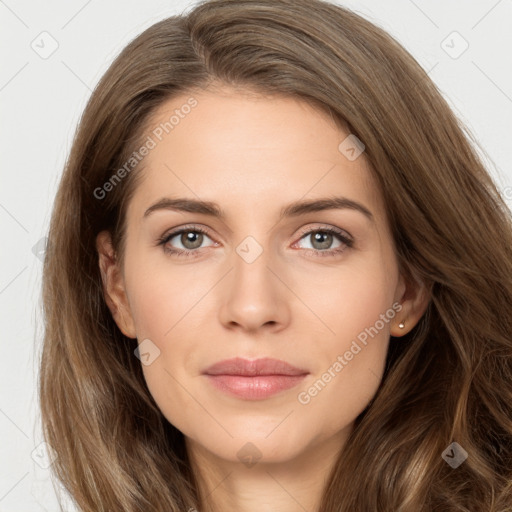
[113, 285]
[414, 296]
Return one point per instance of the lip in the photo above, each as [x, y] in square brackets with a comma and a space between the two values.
[256, 367]
[254, 380]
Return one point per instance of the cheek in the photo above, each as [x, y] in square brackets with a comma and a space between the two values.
[160, 315]
[160, 295]
[152, 310]
[167, 305]
[359, 311]
[350, 299]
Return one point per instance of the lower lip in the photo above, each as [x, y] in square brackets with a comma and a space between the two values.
[255, 387]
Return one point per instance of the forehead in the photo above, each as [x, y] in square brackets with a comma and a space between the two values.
[248, 151]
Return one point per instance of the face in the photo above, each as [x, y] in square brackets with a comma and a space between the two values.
[317, 288]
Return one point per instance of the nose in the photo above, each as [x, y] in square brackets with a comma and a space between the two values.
[254, 295]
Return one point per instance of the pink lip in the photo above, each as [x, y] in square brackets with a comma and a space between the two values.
[254, 380]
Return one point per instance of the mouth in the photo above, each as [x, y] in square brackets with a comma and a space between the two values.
[254, 380]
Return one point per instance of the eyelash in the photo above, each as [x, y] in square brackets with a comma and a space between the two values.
[187, 253]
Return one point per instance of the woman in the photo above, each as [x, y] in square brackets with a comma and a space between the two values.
[198, 355]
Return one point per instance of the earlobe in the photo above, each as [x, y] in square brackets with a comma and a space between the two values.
[414, 301]
[113, 285]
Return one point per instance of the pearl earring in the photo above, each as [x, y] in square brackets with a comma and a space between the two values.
[401, 325]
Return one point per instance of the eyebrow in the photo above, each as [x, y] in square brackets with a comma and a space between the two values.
[294, 209]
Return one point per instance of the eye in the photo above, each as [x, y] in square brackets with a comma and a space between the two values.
[322, 239]
[191, 239]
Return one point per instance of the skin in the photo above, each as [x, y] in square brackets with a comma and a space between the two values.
[254, 155]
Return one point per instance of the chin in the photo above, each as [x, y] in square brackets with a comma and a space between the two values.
[250, 446]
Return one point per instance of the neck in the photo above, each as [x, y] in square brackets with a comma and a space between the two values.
[288, 486]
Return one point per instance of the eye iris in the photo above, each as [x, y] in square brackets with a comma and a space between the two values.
[325, 239]
[189, 236]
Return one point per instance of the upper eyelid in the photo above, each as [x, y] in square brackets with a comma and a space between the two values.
[196, 227]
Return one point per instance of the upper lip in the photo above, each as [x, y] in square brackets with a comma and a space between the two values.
[245, 367]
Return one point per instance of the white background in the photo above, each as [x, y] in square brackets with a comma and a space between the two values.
[41, 101]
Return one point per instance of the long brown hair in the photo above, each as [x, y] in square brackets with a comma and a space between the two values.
[448, 380]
